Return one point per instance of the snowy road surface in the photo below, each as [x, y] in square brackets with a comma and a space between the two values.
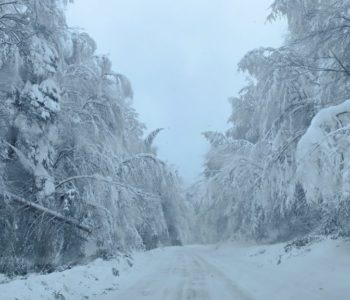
[181, 274]
[230, 271]
[238, 272]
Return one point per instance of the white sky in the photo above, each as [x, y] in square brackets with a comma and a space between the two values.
[181, 58]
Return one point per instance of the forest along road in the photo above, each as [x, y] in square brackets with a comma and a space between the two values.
[178, 273]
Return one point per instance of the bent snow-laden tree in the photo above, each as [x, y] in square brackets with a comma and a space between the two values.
[77, 178]
[266, 178]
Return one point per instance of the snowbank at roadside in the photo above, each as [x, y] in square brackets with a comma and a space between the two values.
[81, 282]
[315, 271]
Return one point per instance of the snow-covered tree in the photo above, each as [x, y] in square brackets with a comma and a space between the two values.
[289, 175]
[77, 176]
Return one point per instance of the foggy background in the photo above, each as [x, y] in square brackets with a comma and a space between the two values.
[181, 58]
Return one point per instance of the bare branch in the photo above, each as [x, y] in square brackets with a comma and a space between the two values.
[346, 70]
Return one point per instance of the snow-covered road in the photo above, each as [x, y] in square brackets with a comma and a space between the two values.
[181, 273]
[238, 272]
[230, 271]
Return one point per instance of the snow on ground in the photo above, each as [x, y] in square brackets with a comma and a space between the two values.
[81, 282]
[229, 271]
[319, 271]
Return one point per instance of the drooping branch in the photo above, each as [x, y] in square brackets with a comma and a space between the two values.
[105, 180]
[8, 3]
[152, 136]
[93, 177]
[332, 133]
[54, 215]
[142, 156]
[282, 150]
[341, 64]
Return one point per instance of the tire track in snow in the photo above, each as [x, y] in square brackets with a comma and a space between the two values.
[184, 275]
[231, 289]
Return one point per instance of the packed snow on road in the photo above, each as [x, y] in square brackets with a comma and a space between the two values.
[229, 271]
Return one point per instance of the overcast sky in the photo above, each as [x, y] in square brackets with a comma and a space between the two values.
[181, 58]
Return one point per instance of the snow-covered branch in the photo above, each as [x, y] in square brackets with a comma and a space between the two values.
[54, 215]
